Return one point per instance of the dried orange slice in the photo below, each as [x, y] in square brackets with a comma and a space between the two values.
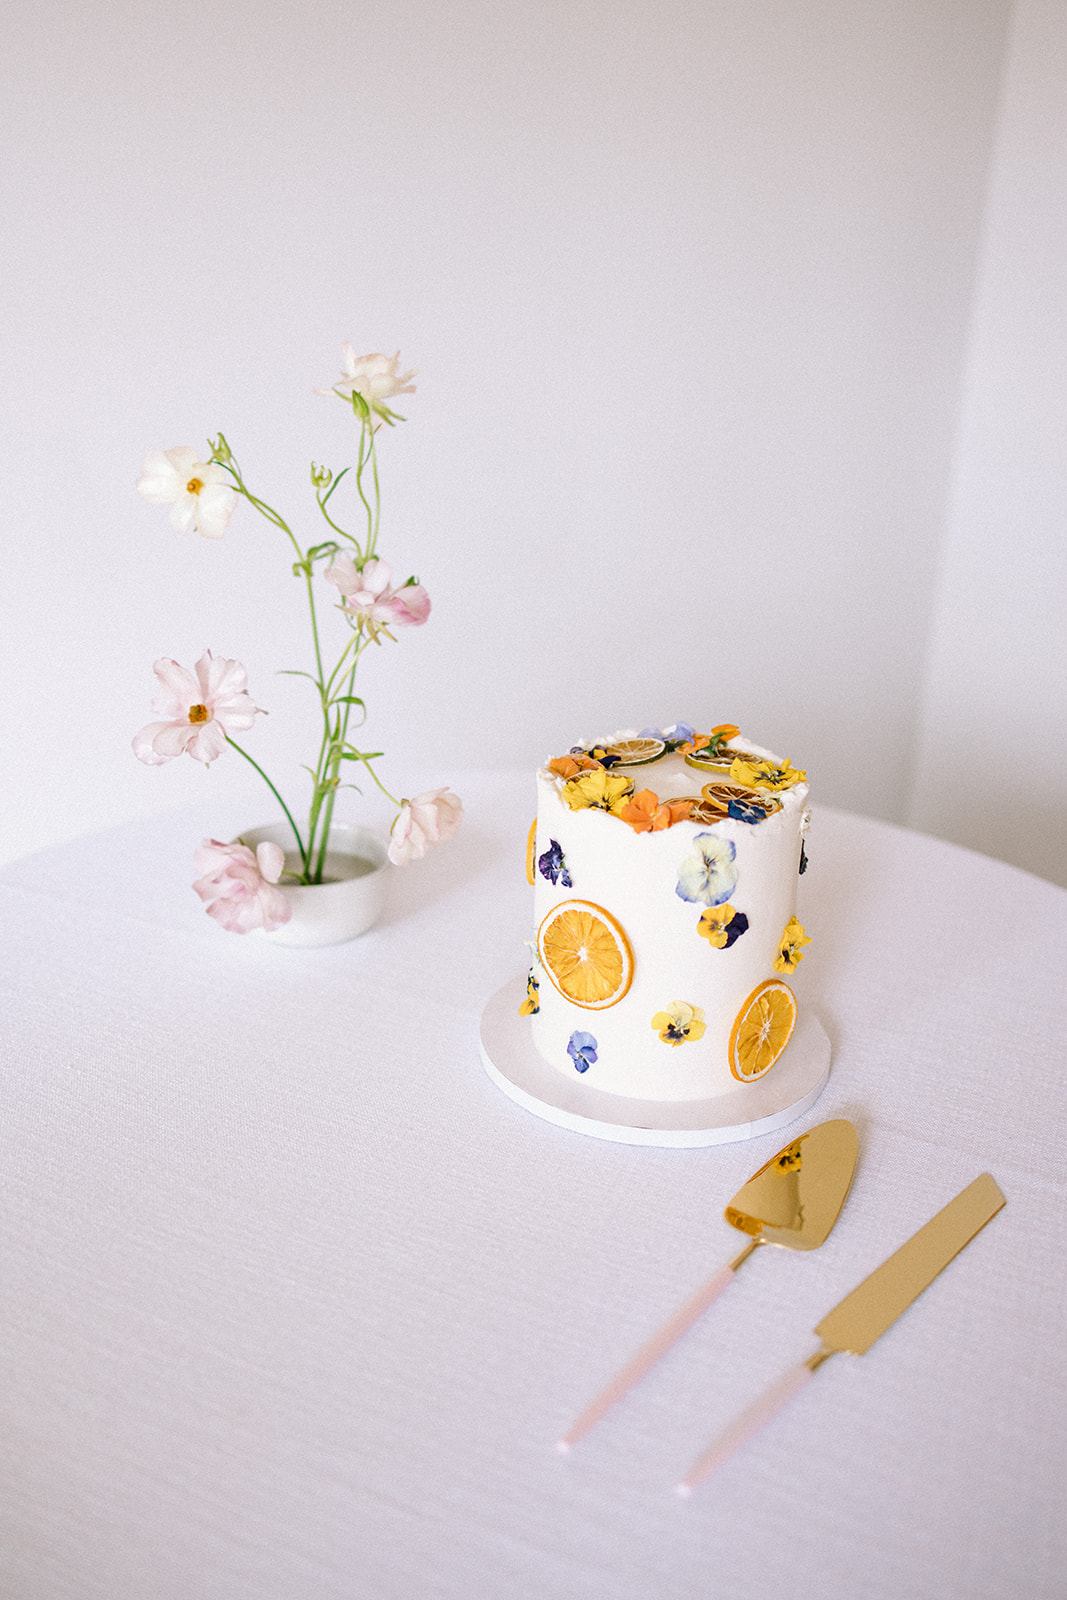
[720, 794]
[586, 954]
[531, 852]
[763, 1028]
[635, 752]
[704, 811]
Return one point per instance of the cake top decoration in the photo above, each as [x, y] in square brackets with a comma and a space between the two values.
[748, 781]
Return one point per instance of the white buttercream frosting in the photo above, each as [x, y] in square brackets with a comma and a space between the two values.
[634, 877]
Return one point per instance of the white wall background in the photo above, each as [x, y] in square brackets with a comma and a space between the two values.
[689, 287]
[996, 677]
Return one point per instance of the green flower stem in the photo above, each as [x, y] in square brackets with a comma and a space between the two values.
[334, 764]
[314, 623]
[377, 497]
[336, 528]
[366, 762]
[277, 796]
[364, 455]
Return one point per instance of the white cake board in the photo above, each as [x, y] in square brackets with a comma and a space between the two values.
[793, 1085]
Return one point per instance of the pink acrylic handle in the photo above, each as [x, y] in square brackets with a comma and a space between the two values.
[743, 1427]
[647, 1357]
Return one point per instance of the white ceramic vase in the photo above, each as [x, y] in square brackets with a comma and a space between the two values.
[350, 900]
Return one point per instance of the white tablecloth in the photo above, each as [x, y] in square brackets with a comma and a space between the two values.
[296, 1302]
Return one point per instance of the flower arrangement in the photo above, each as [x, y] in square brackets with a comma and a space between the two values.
[199, 711]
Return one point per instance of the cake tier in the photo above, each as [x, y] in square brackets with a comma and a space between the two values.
[624, 919]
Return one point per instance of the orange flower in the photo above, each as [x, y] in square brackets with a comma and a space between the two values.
[725, 730]
[699, 742]
[567, 766]
[646, 814]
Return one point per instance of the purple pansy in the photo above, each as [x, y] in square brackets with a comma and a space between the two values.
[553, 867]
[582, 1050]
[746, 811]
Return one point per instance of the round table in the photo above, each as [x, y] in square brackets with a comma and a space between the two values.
[296, 1302]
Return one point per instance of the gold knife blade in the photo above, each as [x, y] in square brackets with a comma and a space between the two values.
[865, 1314]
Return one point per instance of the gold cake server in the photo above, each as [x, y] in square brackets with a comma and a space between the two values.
[793, 1200]
[865, 1314]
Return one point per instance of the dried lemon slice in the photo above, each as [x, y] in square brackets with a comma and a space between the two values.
[635, 752]
[704, 761]
[531, 852]
[762, 1030]
[586, 954]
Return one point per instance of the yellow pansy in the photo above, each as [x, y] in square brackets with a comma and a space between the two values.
[600, 791]
[679, 1022]
[757, 774]
[532, 1004]
[790, 947]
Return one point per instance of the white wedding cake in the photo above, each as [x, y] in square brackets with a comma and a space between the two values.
[665, 867]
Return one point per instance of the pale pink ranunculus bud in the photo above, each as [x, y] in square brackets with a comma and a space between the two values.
[369, 595]
[240, 886]
[198, 492]
[199, 709]
[375, 377]
[431, 818]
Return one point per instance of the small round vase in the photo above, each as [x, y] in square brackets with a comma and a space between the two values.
[347, 902]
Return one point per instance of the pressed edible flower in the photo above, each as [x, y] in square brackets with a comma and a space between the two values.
[532, 1004]
[679, 1022]
[582, 1050]
[757, 774]
[199, 709]
[197, 492]
[646, 813]
[370, 597]
[722, 926]
[746, 811]
[240, 886]
[569, 766]
[429, 819]
[552, 866]
[598, 790]
[791, 947]
[709, 875]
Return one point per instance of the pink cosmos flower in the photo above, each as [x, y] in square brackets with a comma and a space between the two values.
[375, 377]
[370, 596]
[240, 885]
[199, 710]
[197, 492]
[431, 818]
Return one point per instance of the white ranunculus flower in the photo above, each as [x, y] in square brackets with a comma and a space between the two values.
[374, 377]
[197, 492]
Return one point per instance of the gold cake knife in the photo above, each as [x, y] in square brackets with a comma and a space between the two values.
[865, 1314]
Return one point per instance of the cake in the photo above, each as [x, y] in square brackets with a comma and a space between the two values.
[665, 868]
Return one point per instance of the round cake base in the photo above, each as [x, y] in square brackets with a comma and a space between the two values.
[793, 1084]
